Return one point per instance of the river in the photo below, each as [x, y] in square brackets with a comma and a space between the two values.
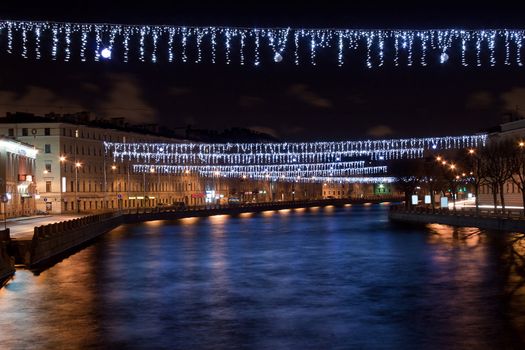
[319, 278]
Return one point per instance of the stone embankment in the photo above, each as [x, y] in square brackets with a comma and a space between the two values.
[510, 221]
[7, 264]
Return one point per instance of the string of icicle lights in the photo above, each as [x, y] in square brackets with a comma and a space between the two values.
[307, 170]
[156, 43]
[284, 153]
[312, 162]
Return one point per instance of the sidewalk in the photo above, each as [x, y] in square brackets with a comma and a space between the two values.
[22, 218]
[23, 227]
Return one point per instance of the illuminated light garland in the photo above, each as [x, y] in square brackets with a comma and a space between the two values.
[340, 180]
[261, 158]
[283, 177]
[271, 153]
[311, 161]
[161, 42]
[257, 168]
[321, 170]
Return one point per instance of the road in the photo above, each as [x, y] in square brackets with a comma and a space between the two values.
[23, 228]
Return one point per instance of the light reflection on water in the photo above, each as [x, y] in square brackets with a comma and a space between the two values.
[314, 278]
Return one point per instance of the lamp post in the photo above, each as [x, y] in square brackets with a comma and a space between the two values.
[77, 166]
[151, 170]
[62, 160]
[105, 188]
[143, 189]
[113, 168]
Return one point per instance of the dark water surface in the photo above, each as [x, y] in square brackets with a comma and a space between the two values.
[319, 278]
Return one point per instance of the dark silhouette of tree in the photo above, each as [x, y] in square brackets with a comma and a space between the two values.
[497, 168]
[409, 174]
[433, 178]
[517, 164]
[473, 164]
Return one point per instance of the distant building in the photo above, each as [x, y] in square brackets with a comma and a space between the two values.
[345, 190]
[96, 183]
[513, 129]
[17, 178]
[99, 183]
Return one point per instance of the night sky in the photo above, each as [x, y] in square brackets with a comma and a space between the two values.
[322, 102]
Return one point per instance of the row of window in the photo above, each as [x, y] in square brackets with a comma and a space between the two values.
[329, 193]
[510, 187]
[113, 187]
[26, 131]
[131, 203]
[71, 132]
[82, 150]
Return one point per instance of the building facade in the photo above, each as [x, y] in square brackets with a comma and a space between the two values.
[73, 173]
[17, 178]
[514, 130]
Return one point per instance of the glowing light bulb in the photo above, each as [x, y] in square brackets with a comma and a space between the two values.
[105, 53]
[443, 57]
[277, 57]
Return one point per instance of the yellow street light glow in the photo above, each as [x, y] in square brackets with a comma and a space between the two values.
[78, 165]
[113, 167]
[62, 158]
[471, 151]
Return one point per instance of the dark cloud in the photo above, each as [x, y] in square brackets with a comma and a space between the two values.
[480, 100]
[265, 130]
[36, 100]
[126, 100]
[380, 131]
[90, 87]
[178, 91]
[356, 99]
[250, 101]
[514, 99]
[303, 93]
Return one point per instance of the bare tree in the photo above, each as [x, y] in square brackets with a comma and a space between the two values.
[433, 177]
[496, 163]
[475, 171]
[517, 164]
[408, 174]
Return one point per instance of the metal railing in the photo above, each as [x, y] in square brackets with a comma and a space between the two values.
[467, 212]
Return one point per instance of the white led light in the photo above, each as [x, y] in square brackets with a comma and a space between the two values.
[145, 42]
[105, 53]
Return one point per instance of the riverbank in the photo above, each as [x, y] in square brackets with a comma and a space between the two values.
[465, 218]
[7, 266]
[53, 241]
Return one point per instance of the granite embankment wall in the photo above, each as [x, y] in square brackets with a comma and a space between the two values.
[7, 266]
[50, 241]
[506, 222]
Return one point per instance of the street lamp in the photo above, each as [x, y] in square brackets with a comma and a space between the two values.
[77, 166]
